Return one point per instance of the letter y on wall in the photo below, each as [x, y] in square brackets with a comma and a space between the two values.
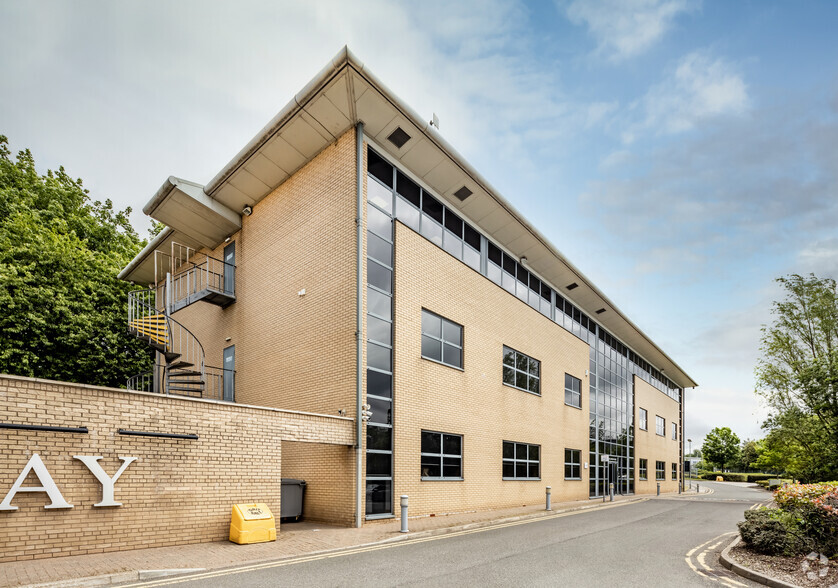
[92, 463]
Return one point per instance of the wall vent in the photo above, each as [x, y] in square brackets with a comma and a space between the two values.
[463, 193]
[600, 311]
[398, 137]
[572, 286]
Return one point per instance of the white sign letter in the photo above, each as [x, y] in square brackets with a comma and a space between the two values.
[48, 485]
[92, 463]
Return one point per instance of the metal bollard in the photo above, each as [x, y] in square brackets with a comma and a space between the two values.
[404, 513]
[611, 490]
[697, 489]
[549, 497]
[659, 488]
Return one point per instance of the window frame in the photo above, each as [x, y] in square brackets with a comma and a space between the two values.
[516, 370]
[572, 392]
[441, 455]
[577, 453]
[443, 342]
[660, 471]
[660, 426]
[674, 431]
[643, 418]
[674, 471]
[515, 461]
[642, 468]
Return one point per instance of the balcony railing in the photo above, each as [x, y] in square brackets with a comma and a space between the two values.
[203, 278]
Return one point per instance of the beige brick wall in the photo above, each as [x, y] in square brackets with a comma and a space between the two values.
[474, 402]
[650, 446]
[330, 482]
[293, 352]
[178, 491]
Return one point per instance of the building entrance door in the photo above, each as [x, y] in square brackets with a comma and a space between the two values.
[230, 267]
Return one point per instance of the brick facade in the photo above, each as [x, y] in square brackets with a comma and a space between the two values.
[178, 491]
[650, 446]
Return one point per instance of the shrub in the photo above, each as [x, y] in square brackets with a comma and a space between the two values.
[759, 477]
[798, 495]
[763, 483]
[774, 532]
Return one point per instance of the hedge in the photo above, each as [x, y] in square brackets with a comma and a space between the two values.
[736, 477]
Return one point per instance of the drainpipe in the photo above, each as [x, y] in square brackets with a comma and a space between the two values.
[359, 430]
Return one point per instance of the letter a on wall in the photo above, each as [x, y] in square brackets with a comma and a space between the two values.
[35, 464]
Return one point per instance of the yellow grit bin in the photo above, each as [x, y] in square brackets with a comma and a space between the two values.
[252, 523]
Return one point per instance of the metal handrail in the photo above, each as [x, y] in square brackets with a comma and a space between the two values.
[142, 304]
[213, 381]
[202, 273]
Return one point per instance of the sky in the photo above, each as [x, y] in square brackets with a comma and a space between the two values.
[682, 154]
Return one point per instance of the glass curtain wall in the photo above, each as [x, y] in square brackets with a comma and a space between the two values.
[391, 194]
[379, 481]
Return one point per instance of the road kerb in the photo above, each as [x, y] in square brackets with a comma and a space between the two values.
[747, 572]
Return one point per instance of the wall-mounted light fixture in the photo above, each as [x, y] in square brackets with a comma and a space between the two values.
[247, 210]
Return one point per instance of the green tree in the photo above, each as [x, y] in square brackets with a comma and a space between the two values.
[62, 309]
[721, 447]
[748, 454]
[798, 379]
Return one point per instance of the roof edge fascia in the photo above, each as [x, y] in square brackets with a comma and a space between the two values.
[346, 57]
[146, 251]
[343, 57]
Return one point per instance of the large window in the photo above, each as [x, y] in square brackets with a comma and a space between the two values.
[660, 425]
[660, 470]
[674, 471]
[643, 417]
[521, 371]
[521, 461]
[572, 391]
[674, 430]
[643, 469]
[442, 456]
[442, 340]
[572, 464]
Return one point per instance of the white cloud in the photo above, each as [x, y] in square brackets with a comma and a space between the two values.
[820, 258]
[700, 88]
[626, 28]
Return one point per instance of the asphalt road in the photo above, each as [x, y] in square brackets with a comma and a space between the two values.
[656, 542]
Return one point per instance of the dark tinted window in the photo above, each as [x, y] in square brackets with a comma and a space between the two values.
[495, 254]
[379, 168]
[453, 223]
[407, 188]
[379, 384]
[472, 237]
[432, 207]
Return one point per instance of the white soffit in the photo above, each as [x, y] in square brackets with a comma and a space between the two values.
[344, 93]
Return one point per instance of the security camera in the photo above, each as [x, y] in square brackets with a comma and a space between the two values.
[247, 211]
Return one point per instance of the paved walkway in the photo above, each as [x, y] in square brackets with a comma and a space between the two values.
[295, 539]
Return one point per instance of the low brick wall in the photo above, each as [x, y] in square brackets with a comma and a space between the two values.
[177, 491]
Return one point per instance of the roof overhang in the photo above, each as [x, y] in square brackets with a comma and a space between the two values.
[344, 93]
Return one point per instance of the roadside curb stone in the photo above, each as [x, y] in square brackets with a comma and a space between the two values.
[747, 572]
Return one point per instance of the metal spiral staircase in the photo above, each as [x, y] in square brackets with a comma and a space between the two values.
[180, 367]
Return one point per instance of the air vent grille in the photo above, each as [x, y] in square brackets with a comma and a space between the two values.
[572, 286]
[398, 137]
[463, 193]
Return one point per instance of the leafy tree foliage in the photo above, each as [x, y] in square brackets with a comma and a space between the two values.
[798, 378]
[721, 447]
[62, 309]
[748, 455]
